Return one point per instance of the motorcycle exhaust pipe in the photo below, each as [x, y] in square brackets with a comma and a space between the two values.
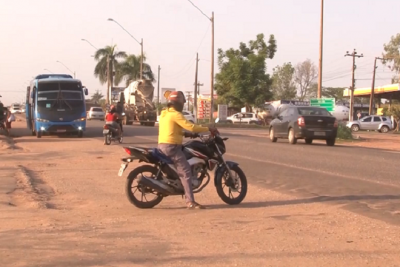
[156, 185]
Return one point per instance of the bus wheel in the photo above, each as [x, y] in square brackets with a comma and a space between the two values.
[39, 134]
[80, 134]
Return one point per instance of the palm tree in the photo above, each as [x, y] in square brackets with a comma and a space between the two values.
[96, 97]
[102, 56]
[129, 70]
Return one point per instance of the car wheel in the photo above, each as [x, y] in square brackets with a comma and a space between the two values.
[308, 141]
[229, 122]
[384, 129]
[292, 138]
[330, 142]
[272, 135]
[355, 128]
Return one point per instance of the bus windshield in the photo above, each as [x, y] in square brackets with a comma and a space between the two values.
[60, 96]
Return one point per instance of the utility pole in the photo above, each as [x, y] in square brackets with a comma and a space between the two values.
[158, 86]
[372, 97]
[141, 60]
[212, 68]
[354, 55]
[319, 93]
[195, 88]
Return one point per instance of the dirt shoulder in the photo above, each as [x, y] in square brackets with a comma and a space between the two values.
[388, 141]
[68, 208]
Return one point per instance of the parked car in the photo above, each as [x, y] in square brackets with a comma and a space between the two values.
[96, 113]
[247, 117]
[189, 116]
[309, 123]
[374, 123]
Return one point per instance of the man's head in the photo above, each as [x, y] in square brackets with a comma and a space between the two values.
[177, 100]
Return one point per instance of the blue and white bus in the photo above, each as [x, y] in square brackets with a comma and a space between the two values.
[55, 103]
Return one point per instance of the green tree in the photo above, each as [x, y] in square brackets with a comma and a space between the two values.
[392, 55]
[96, 97]
[242, 80]
[305, 74]
[333, 92]
[129, 70]
[283, 86]
[101, 56]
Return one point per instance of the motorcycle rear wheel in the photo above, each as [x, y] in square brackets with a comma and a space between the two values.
[243, 190]
[107, 139]
[139, 203]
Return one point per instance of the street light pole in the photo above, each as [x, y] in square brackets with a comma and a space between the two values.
[89, 43]
[141, 44]
[66, 67]
[212, 59]
[319, 93]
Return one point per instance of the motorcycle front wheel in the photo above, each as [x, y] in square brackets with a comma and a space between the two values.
[233, 185]
[142, 200]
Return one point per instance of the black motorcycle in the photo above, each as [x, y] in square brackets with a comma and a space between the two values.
[3, 127]
[111, 133]
[161, 179]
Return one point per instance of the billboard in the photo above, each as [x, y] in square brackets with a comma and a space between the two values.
[163, 90]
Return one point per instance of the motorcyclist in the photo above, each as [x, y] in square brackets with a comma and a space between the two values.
[112, 119]
[170, 138]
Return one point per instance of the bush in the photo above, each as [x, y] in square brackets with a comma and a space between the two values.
[344, 133]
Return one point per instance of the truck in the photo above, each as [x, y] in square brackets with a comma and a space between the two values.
[55, 103]
[137, 103]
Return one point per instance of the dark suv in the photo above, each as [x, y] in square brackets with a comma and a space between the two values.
[309, 123]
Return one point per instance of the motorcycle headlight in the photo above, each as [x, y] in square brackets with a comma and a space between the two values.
[41, 120]
[81, 119]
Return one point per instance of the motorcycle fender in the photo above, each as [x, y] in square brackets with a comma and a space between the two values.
[221, 169]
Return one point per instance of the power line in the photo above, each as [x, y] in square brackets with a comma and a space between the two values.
[185, 69]
[200, 10]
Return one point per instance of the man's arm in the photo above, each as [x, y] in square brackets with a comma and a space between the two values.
[187, 125]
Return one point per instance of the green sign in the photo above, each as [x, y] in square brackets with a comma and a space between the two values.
[328, 103]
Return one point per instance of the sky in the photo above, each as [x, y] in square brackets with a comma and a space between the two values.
[35, 34]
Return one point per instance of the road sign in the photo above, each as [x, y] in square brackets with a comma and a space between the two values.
[328, 103]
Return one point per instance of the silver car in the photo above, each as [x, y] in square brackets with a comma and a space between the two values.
[96, 113]
[382, 124]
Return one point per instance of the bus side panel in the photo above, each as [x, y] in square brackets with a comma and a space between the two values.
[28, 111]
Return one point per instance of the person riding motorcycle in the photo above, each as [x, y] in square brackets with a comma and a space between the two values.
[112, 119]
[170, 138]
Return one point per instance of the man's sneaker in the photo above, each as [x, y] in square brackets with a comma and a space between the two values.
[194, 205]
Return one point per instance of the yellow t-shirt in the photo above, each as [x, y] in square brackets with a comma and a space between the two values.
[171, 127]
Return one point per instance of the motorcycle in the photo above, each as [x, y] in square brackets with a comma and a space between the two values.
[111, 133]
[203, 156]
[3, 127]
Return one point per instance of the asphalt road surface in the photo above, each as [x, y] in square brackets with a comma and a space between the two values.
[362, 180]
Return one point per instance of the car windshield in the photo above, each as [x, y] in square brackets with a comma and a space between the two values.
[97, 109]
[311, 111]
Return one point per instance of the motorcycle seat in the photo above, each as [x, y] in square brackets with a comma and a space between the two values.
[160, 155]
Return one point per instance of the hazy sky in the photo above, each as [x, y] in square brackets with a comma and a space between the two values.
[37, 33]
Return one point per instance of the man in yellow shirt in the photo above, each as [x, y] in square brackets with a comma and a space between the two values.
[170, 138]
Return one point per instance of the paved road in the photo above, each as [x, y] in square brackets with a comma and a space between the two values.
[362, 180]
